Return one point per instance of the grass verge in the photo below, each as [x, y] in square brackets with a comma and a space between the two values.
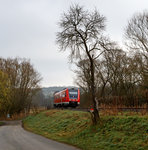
[1, 123]
[74, 127]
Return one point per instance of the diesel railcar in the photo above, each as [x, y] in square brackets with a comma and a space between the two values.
[69, 97]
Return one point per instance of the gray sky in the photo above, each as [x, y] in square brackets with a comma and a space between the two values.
[28, 29]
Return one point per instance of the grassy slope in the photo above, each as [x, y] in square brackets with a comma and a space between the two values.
[73, 127]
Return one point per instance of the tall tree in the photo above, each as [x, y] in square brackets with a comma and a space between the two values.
[136, 34]
[82, 34]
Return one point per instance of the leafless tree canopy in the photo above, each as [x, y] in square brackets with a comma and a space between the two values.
[81, 31]
[137, 33]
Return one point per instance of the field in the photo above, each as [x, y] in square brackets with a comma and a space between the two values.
[120, 132]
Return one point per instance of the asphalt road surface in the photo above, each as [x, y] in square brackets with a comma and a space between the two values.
[14, 137]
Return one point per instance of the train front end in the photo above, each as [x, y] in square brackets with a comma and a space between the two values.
[74, 97]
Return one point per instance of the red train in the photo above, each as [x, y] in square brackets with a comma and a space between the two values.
[67, 97]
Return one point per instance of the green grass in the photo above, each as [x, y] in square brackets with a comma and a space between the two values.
[73, 127]
[1, 123]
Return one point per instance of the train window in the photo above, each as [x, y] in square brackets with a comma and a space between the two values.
[64, 94]
[73, 94]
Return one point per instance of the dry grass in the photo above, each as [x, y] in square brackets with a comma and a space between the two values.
[20, 116]
[121, 109]
[14, 117]
[50, 113]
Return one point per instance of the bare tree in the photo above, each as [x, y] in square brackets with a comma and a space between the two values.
[82, 34]
[137, 39]
[137, 33]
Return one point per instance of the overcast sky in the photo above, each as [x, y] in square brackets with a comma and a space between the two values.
[28, 30]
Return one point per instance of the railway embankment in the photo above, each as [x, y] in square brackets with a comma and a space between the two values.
[120, 132]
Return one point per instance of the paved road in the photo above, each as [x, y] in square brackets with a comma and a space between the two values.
[14, 137]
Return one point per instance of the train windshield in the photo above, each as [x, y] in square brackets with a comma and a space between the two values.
[73, 94]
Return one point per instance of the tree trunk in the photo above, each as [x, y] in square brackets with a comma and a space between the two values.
[96, 116]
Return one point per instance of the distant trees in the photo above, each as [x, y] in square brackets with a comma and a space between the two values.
[23, 83]
[4, 93]
[118, 76]
[136, 34]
